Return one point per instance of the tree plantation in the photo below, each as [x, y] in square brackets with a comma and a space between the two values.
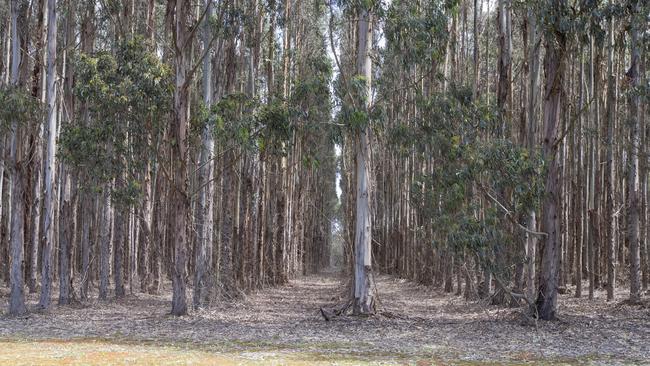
[384, 181]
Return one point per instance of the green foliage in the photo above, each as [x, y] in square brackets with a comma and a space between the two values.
[355, 5]
[310, 110]
[581, 21]
[233, 17]
[506, 166]
[18, 105]
[448, 128]
[85, 148]
[248, 123]
[126, 97]
[234, 121]
[417, 31]
[275, 118]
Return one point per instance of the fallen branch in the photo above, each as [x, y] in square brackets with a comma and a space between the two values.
[336, 311]
[532, 309]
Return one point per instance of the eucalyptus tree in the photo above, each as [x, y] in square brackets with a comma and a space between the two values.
[364, 289]
[49, 157]
[531, 128]
[201, 144]
[610, 171]
[205, 211]
[554, 68]
[635, 149]
[125, 95]
[17, 167]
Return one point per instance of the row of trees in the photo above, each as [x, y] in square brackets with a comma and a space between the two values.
[156, 141]
[498, 148]
[512, 148]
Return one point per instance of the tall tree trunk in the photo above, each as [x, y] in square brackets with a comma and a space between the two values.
[644, 238]
[610, 170]
[86, 198]
[554, 80]
[49, 160]
[179, 191]
[580, 194]
[66, 213]
[204, 217]
[38, 92]
[17, 166]
[531, 128]
[364, 289]
[633, 158]
[281, 198]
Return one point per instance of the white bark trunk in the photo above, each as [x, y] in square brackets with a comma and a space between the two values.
[204, 220]
[49, 161]
[364, 295]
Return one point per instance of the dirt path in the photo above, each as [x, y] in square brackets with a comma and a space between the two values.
[431, 326]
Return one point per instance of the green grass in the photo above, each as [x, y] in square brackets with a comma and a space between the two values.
[91, 351]
[104, 352]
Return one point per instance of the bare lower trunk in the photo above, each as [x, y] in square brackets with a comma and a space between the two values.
[204, 217]
[633, 162]
[86, 217]
[35, 223]
[158, 234]
[533, 65]
[146, 234]
[179, 199]
[554, 67]
[17, 219]
[65, 239]
[49, 162]
[17, 295]
[38, 91]
[226, 275]
[105, 240]
[119, 234]
[610, 170]
[580, 194]
[66, 213]
[364, 291]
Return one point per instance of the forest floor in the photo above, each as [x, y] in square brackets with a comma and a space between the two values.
[284, 326]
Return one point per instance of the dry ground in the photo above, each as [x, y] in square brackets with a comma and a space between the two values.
[284, 326]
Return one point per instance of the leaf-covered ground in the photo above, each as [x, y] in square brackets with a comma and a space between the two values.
[284, 326]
